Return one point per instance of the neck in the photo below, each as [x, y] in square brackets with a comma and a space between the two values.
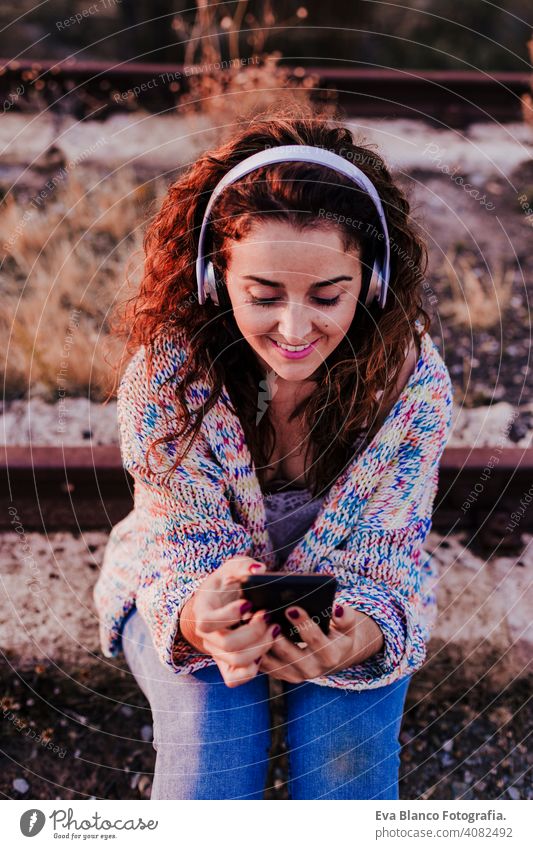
[286, 394]
[283, 394]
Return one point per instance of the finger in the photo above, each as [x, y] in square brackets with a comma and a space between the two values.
[220, 618]
[271, 665]
[213, 596]
[234, 676]
[324, 651]
[242, 646]
[225, 584]
[285, 651]
[307, 628]
[238, 568]
[285, 658]
[344, 618]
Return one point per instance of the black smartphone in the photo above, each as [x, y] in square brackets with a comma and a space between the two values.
[276, 591]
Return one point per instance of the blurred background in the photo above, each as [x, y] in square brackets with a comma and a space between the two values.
[102, 106]
[417, 34]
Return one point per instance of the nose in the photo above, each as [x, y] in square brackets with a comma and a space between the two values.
[295, 323]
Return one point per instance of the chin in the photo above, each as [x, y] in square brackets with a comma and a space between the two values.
[296, 371]
[292, 373]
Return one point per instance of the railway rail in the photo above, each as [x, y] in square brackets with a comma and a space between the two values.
[486, 491]
[97, 89]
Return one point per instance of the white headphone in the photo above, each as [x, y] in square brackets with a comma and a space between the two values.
[379, 282]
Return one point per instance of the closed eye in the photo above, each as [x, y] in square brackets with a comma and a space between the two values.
[324, 302]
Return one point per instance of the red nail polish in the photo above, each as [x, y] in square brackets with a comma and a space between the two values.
[294, 614]
[267, 617]
[254, 566]
[276, 630]
[338, 610]
[257, 660]
[245, 606]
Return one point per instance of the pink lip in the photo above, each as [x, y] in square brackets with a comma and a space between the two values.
[295, 355]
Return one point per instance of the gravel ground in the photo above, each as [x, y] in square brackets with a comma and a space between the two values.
[87, 423]
[76, 725]
[455, 744]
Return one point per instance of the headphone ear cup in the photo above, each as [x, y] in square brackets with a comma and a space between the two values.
[367, 273]
[210, 287]
[373, 288]
[223, 298]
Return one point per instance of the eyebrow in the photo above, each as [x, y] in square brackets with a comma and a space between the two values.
[281, 286]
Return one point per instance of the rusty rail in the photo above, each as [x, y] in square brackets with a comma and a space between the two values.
[97, 89]
[86, 488]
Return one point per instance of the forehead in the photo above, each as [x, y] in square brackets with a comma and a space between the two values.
[280, 248]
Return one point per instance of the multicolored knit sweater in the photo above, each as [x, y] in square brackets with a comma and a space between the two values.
[369, 532]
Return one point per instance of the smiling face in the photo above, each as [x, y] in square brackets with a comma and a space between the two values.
[296, 288]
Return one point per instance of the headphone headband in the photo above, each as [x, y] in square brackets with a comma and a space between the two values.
[295, 153]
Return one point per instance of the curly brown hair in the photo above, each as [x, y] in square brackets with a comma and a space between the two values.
[360, 374]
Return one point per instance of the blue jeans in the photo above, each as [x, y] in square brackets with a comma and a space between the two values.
[213, 741]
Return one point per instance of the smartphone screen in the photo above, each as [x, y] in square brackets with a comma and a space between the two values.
[276, 591]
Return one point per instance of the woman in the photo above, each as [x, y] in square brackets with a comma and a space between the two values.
[293, 420]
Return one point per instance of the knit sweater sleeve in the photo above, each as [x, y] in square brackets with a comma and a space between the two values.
[380, 568]
[189, 528]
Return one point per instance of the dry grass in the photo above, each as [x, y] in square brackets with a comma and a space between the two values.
[62, 270]
[479, 298]
[224, 91]
[63, 266]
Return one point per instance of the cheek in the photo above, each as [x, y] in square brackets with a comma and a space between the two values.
[259, 321]
[338, 322]
[255, 321]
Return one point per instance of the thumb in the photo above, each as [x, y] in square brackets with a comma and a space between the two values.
[237, 568]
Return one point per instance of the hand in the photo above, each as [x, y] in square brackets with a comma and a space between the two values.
[211, 622]
[353, 636]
